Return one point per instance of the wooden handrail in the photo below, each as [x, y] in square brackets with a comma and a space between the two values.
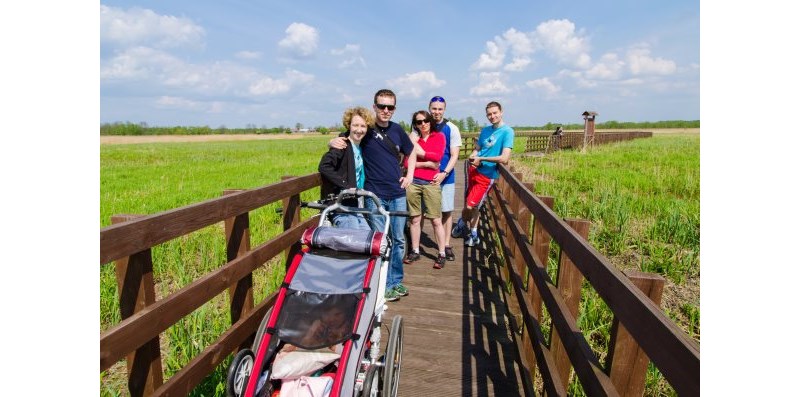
[125, 239]
[670, 349]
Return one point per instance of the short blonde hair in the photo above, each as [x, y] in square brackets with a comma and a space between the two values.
[363, 112]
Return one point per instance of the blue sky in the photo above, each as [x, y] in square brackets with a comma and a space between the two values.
[274, 63]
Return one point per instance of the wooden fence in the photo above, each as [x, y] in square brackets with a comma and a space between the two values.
[536, 141]
[525, 225]
[128, 242]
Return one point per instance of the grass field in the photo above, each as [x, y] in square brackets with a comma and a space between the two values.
[641, 196]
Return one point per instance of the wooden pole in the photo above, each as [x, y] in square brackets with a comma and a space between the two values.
[291, 217]
[569, 285]
[136, 292]
[237, 243]
[627, 362]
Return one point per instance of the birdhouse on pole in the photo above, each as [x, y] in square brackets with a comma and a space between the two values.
[588, 128]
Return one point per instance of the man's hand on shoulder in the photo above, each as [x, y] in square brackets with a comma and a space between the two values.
[337, 143]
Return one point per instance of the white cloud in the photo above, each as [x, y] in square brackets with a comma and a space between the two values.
[558, 38]
[517, 43]
[177, 103]
[270, 86]
[351, 54]
[301, 40]
[544, 85]
[491, 83]
[415, 84]
[138, 26]
[248, 55]
[491, 59]
[609, 67]
[640, 62]
[518, 64]
[520, 43]
[142, 66]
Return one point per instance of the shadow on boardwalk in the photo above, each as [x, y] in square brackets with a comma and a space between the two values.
[457, 337]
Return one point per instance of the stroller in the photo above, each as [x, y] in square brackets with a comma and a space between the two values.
[323, 335]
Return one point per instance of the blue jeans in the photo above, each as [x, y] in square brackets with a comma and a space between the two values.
[350, 221]
[396, 237]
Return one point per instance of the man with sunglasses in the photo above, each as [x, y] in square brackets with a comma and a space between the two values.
[493, 147]
[381, 150]
[447, 173]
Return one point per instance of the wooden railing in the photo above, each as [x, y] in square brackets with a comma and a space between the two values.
[536, 141]
[128, 242]
[525, 225]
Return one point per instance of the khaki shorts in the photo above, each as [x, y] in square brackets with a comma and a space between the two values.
[428, 195]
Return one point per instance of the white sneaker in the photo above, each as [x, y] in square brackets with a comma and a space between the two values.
[472, 241]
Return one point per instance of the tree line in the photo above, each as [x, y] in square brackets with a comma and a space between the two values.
[468, 124]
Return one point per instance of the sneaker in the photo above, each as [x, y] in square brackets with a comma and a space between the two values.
[439, 263]
[411, 257]
[448, 254]
[472, 240]
[459, 229]
[401, 290]
[391, 295]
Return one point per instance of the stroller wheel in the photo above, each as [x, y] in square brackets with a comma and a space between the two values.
[372, 382]
[240, 369]
[393, 359]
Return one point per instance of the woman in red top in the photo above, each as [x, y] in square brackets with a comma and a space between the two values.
[421, 193]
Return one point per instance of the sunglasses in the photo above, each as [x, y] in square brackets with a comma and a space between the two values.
[437, 99]
[382, 107]
[419, 122]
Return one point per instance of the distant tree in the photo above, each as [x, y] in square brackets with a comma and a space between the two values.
[459, 123]
[298, 126]
[404, 125]
[471, 124]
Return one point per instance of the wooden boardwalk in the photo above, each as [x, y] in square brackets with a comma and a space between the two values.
[456, 336]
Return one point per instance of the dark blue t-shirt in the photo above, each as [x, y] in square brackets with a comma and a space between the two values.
[381, 167]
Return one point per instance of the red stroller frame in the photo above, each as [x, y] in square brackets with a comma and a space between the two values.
[335, 272]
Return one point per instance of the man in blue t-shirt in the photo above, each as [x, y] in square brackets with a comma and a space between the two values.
[447, 173]
[493, 147]
[381, 149]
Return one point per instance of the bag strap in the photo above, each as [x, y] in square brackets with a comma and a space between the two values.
[388, 142]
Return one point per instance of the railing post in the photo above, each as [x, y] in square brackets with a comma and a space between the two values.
[541, 248]
[291, 217]
[237, 243]
[627, 362]
[136, 292]
[525, 221]
[569, 285]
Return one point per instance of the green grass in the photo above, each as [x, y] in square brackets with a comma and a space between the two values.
[150, 178]
[643, 200]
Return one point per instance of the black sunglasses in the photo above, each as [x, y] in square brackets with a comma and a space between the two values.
[437, 99]
[382, 106]
[419, 122]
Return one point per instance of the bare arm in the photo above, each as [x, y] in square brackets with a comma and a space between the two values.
[454, 151]
[501, 159]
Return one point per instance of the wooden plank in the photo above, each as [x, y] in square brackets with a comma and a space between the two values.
[670, 349]
[127, 238]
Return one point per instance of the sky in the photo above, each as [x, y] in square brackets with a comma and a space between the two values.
[279, 63]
